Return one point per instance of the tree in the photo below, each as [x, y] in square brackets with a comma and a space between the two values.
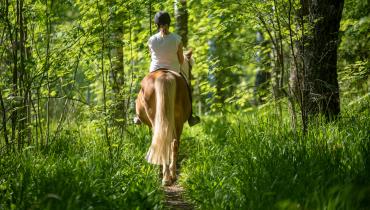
[318, 51]
[181, 14]
[117, 73]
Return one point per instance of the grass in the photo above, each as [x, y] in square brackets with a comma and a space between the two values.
[241, 160]
[255, 161]
[75, 172]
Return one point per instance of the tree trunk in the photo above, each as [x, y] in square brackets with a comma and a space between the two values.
[116, 56]
[181, 14]
[318, 50]
[14, 116]
[4, 120]
[103, 73]
[21, 79]
[47, 66]
[278, 69]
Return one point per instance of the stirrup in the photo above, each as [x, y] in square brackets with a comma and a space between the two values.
[137, 120]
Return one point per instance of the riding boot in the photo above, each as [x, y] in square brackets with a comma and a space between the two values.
[193, 120]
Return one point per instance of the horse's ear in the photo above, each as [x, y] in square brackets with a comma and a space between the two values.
[189, 53]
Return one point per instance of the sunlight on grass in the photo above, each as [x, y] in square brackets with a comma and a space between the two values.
[254, 161]
[75, 172]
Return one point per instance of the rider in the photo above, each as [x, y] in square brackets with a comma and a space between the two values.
[167, 53]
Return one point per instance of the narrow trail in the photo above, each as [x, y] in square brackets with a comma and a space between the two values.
[175, 198]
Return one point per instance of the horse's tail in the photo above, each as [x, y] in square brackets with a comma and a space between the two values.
[164, 123]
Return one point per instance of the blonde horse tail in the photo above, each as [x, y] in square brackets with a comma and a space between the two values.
[164, 123]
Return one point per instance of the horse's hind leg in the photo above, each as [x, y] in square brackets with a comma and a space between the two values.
[166, 180]
[175, 150]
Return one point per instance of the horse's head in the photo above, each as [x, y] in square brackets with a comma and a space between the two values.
[188, 54]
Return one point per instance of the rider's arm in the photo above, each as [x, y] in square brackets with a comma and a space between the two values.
[180, 54]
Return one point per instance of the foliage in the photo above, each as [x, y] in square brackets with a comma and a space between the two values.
[67, 99]
[250, 161]
[75, 172]
[353, 51]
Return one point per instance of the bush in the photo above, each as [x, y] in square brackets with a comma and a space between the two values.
[75, 172]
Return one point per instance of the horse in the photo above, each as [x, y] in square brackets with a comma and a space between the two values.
[164, 105]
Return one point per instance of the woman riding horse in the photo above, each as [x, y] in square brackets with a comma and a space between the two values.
[164, 101]
[166, 52]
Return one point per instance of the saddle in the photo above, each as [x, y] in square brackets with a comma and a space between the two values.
[182, 76]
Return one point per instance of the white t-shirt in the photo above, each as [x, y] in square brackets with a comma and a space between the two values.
[164, 51]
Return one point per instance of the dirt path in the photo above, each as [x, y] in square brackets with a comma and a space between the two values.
[175, 198]
[174, 194]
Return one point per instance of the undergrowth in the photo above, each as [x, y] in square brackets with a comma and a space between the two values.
[76, 172]
[255, 161]
[235, 160]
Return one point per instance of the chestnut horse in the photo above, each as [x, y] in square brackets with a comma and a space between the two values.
[164, 105]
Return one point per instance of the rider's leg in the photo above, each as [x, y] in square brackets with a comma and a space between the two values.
[193, 119]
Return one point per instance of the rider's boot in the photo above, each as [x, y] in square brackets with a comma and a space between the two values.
[193, 120]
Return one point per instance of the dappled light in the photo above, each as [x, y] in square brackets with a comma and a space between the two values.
[184, 104]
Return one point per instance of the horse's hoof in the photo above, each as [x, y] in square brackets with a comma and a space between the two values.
[174, 179]
[166, 182]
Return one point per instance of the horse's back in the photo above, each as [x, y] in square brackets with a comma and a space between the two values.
[147, 94]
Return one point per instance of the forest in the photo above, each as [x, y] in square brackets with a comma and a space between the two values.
[282, 88]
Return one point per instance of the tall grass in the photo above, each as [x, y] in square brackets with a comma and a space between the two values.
[254, 161]
[76, 172]
[240, 160]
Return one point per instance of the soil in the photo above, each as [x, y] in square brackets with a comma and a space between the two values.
[175, 197]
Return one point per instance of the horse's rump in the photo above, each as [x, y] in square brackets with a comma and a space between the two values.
[163, 103]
